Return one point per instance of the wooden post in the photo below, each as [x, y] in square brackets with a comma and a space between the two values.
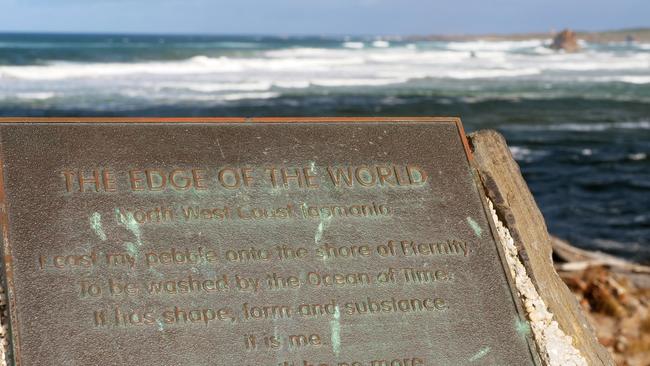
[516, 208]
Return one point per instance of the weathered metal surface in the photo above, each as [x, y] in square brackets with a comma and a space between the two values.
[251, 242]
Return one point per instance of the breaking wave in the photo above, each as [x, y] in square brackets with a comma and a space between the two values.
[514, 66]
[585, 127]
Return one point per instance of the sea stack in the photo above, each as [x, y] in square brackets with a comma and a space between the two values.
[566, 40]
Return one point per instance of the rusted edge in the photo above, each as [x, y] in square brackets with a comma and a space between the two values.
[8, 279]
[121, 120]
[463, 138]
[224, 119]
[350, 119]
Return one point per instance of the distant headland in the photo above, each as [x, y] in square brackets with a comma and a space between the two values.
[620, 35]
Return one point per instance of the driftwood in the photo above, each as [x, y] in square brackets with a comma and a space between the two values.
[572, 259]
[576, 259]
[517, 209]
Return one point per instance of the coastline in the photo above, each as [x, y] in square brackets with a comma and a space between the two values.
[614, 36]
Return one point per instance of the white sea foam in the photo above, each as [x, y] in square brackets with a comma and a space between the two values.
[294, 62]
[213, 87]
[204, 97]
[640, 125]
[299, 84]
[585, 127]
[336, 82]
[489, 73]
[381, 44]
[495, 46]
[635, 79]
[240, 96]
[301, 52]
[521, 153]
[629, 79]
[356, 64]
[35, 95]
[638, 156]
[355, 45]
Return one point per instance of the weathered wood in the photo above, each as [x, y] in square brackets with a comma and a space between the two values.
[516, 207]
[578, 258]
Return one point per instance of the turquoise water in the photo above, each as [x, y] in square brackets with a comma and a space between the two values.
[578, 124]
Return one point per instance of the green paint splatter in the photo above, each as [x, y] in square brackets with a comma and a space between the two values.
[480, 354]
[335, 326]
[96, 225]
[324, 223]
[129, 222]
[131, 248]
[475, 226]
[523, 327]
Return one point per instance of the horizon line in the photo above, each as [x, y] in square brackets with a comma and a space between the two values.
[324, 35]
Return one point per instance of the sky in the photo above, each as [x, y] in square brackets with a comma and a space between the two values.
[323, 17]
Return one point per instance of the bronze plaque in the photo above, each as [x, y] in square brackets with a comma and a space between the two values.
[270, 242]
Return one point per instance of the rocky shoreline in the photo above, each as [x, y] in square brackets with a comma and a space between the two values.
[624, 35]
[615, 296]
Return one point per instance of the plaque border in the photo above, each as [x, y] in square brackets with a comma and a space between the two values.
[218, 120]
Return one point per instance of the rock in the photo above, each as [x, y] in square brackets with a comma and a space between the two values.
[566, 40]
[619, 310]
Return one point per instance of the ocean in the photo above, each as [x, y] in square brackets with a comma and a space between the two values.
[578, 124]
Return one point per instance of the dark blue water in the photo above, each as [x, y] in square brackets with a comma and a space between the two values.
[578, 124]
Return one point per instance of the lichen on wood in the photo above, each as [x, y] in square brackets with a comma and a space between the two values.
[555, 346]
